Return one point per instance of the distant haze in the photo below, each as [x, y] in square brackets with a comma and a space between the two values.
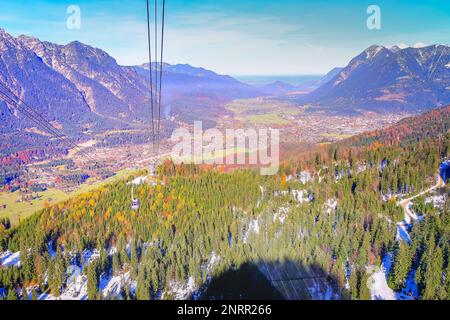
[261, 80]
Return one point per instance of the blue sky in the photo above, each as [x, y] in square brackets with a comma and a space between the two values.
[237, 37]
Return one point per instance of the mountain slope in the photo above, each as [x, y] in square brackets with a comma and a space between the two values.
[330, 76]
[279, 88]
[389, 79]
[431, 124]
[41, 87]
[82, 90]
[109, 89]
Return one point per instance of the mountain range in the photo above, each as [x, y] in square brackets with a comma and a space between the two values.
[386, 79]
[191, 93]
[83, 90]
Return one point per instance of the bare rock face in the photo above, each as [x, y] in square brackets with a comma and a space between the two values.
[110, 90]
[54, 96]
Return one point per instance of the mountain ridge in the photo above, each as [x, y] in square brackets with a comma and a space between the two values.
[383, 79]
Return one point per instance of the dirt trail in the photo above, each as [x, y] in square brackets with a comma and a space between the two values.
[409, 216]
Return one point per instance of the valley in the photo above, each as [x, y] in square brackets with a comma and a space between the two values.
[299, 124]
[292, 227]
[92, 212]
[125, 150]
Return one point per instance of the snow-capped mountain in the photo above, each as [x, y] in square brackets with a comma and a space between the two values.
[389, 79]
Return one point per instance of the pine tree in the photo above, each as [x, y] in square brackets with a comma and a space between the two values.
[364, 291]
[433, 275]
[24, 294]
[12, 295]
[353, 282]
[92, 283]
[134, 260]
[143, 285]
[34, 296]
[402, 265]
[57, 274]
[116, 264]
[363, 254]
[447, 280]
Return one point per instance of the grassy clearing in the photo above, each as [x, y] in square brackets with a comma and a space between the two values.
[17, 211]
[215, 156]
[338, 136]
[269, 118]
[263, 111]
[251, 105]
[86, 187]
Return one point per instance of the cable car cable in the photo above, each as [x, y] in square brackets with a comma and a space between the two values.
[150, 69]
[161, 71]
[38, 119]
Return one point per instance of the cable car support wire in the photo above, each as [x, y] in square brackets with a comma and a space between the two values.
[156, 79]
[9, 97]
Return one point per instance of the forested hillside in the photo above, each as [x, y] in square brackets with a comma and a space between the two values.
[435, 123]
[333, 213]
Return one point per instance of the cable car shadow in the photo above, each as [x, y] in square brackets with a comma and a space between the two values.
[272, 280]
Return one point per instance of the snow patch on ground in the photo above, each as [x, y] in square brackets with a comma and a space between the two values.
[318, 292]
[438, 201]
[410, 291]
[377, 284]
[113, 285]
[305, 177]
[51, 252]
[77, 290]
[213, 260]
[138, 181]
[402, 232]
[280, 193]
[379, 288]
[387, 264]
[361, 168]
[281, 214]
[77, 286]
[300, 196]
[89, 256]
[181, 291]
[9, 259]
[331, 206]
[253, 227]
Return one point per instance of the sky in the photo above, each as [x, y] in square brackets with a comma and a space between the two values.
[237, 37]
